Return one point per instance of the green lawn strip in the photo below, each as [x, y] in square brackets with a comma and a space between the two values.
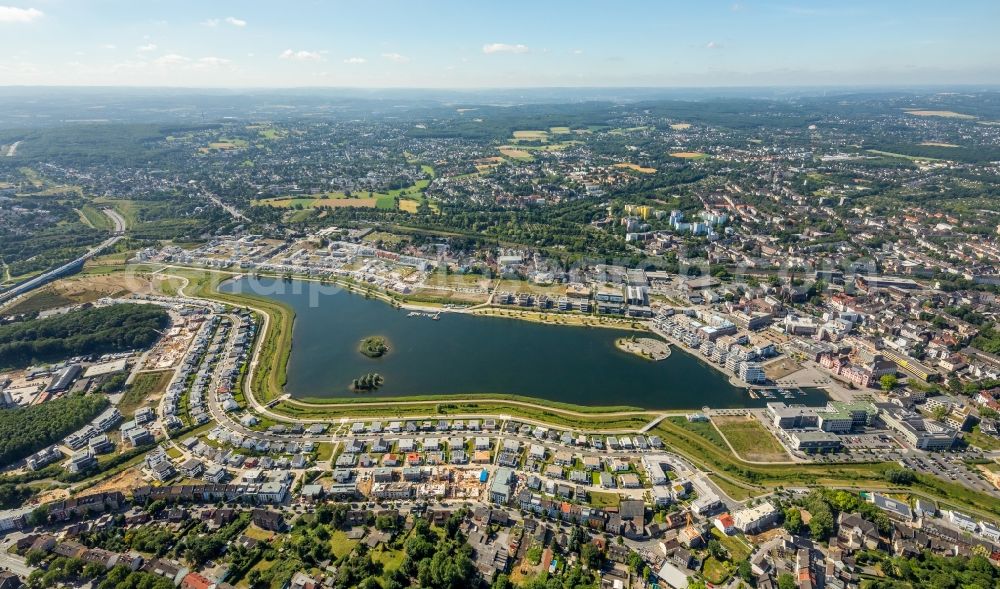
[751, 439]
[702, 428]
[324, 452]
[601, 499]
[735, 491]
[982, 441]
[391, 559]
[714, 571]
[341, 544]
[95, 218]
[473, 396]
[297, 411]
[737, 548]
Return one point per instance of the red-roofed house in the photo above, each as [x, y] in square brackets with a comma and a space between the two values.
[725, 523]
[196, 581]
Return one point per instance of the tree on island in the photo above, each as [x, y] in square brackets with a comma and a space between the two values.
[368, 382]
[373, 347]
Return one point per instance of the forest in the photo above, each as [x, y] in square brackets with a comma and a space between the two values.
[95, 330]
[25, 430]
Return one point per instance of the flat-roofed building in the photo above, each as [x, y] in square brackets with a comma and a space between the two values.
[814, 441]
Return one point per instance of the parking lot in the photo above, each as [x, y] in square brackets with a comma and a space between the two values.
[949, 467]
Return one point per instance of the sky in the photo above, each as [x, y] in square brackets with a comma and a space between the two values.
[498, 43]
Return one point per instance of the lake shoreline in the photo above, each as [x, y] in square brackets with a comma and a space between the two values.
[525, 355]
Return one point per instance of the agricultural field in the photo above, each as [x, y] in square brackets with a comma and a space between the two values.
[689, 155]
[516, 153]
[912, 158]
[636, 168]
[750, 439]
[948, 114]
[410, 198]
[224, 144]
[680, 126]
[938, 144]
[532, 135]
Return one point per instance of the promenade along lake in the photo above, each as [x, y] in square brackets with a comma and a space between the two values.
[467, 354]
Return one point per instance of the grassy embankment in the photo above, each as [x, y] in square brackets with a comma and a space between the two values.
[592, 418]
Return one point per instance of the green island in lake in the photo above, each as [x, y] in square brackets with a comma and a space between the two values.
[369, 382]
[373, 346]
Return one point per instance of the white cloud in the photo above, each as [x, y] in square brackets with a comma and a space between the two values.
[109, 46]
[578, 52]
[146, 48]
[504, 48]
[713, 45]
[736, 7]
[355, 60]
[171, 59]
[13, 14]
[229, 20]
[396, 57]
[213, 61]
[300, 55]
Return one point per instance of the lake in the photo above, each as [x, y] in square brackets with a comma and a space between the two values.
[468, 354]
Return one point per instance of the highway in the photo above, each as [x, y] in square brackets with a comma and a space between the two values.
[43, 279]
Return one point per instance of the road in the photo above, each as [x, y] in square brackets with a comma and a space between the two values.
[43, 279]
[13, 562]
[117, 219]
[236, 214]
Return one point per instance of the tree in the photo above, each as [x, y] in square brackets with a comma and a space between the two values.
[793, 520]
[34, 557]
[635, 561]
[888, 382]
[502, 581]
[716, 550]
[591, 555]
[786, 581]
[821, 524]
[899, 476]
[385, 522]
[254, 579]
[744, 571]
